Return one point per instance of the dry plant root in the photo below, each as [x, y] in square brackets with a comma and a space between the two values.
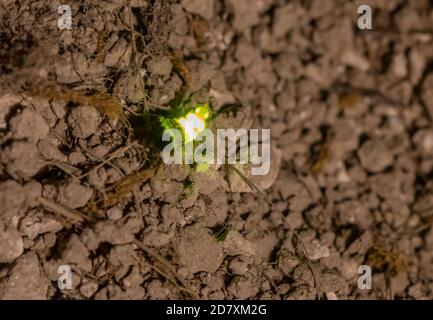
[74, 216]
[115, 154]
[104, 103]
[184, 286]
[322, 156]
[181, 68]
[389, 261]
[231, 168]
[121, 190]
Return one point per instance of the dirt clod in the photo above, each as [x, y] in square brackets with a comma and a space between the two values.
[12, 243]
[82, 181]
[84, 121]
[25, 280]
[193, 248]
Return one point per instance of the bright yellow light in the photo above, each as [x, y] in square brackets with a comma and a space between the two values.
[192, 124]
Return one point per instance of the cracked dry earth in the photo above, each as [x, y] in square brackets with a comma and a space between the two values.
[350, 114]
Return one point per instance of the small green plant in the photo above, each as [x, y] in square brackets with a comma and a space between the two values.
[222, 233]
[183, 114]
[188, 188]
[191, 118]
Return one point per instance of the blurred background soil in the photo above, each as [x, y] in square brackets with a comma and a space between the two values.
[350, 113]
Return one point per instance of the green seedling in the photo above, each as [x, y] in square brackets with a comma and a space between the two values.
[191, 118]
[222, 232]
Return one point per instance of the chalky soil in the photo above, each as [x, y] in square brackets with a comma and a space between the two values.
[350, 117]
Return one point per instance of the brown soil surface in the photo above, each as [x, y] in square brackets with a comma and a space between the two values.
[82, 184]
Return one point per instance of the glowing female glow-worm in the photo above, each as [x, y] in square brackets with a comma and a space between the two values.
[194, 122]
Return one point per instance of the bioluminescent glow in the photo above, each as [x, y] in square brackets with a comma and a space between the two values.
[194, 122]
